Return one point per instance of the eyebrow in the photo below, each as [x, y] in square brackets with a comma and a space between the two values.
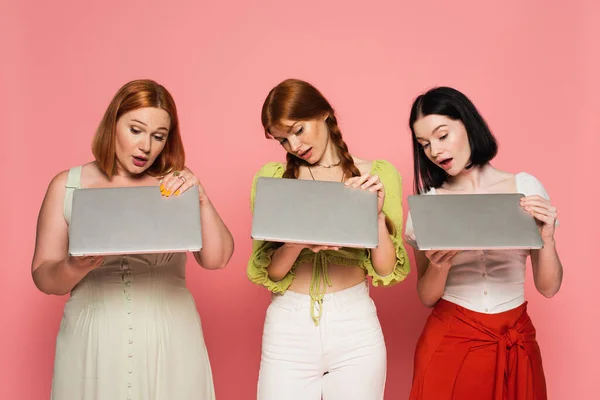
[140, 122]
[290, 127]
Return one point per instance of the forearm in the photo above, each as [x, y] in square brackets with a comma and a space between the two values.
[282, 261]
[217, 241]
[384, 256]
[57, 277]
[432, 284]
[548, 270]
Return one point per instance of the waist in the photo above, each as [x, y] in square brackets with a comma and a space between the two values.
[498, 323]
[302, 301]
[341, 277]
[486, 288]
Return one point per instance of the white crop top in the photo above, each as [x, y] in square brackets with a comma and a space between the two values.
[489, 281]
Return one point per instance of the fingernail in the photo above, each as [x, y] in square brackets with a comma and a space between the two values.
[177, 192]
[162, 187]
[168, 193]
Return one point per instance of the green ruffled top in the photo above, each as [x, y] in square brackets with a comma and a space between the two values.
[262, 251]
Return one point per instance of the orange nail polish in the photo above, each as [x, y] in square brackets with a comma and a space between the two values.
[162, 187]
[177, 193]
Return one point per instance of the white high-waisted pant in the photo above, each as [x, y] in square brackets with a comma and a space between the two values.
[343, 358]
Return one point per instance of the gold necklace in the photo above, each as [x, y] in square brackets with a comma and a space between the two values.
[313, 177]
[329, 166]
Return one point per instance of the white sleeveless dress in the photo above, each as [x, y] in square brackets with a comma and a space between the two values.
[131, 330]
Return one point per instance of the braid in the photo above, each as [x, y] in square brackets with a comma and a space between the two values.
[292, 168]
[346, 159]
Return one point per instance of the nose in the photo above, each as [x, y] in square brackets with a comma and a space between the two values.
[295, 143]
[434, 148]
[145, 143]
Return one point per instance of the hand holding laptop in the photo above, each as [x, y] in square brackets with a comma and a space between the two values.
[372, 183]
[85, 263]
[441, 258]
[177, 182]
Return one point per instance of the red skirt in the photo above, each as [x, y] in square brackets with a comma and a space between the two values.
[463, 354]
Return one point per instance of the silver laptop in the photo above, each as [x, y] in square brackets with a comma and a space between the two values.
[314, 212]
[472, 222]
[133, 220]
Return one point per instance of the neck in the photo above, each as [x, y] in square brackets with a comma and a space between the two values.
[330, 156]
[473, 178]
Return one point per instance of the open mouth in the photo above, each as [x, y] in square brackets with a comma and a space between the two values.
[139, 161]
[447, 163]
[305, 154]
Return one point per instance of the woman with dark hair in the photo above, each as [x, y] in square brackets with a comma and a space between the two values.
[130, 328]
[479, 342]
[322, 337]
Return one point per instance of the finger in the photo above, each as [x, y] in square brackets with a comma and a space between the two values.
[448, 256]
[376, 188]
[544, 218]
[362, 179]
[535, 201]
[372, 180]
[540, 211]
[180, 184]
[183, 188]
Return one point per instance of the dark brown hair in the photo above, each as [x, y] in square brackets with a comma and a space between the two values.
[133, 95]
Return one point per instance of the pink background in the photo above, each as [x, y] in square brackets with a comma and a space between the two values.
[530, 66]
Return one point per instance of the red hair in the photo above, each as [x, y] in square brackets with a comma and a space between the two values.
[297, 100]
[133, 95]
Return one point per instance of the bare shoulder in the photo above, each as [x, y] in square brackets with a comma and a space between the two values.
[364, 166]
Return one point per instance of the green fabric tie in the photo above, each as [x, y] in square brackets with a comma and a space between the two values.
[319, 280]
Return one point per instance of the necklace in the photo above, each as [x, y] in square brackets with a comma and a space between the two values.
[313, 177]
[329, 166]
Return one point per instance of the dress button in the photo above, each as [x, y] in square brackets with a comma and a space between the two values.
[128, 311]
[128, 297]
[129, 355]
[483, 274]
[130, 371]
[486, 310]
[129, 385]
[130, 341]
[485, 292]
[130, 327]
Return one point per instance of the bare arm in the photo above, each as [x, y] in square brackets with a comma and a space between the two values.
[217, 241]
[384, 256]
[432, 267]
[52, 270]
[546, 265]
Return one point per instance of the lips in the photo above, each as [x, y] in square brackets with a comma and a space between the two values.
[305, 154]
[445, 163]
[139, 161]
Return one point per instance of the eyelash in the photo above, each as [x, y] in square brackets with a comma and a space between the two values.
[443, 137]
[298, 132]
[136, 131]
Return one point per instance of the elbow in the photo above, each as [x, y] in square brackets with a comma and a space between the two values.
[548, 292]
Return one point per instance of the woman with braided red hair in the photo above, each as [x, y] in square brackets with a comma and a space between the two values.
[322, 337]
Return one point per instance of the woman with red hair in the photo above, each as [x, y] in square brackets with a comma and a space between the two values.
[130, 329]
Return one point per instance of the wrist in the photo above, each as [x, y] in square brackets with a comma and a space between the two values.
[549, 242]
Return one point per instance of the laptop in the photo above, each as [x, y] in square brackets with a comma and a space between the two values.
[314, 212]
[472, 222]
[133, 220]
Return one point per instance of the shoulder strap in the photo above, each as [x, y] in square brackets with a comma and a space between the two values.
[73, 182]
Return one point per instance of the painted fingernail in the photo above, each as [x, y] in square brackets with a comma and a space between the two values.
[177, 192]
[162, 187]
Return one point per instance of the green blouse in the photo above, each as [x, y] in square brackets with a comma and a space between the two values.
[262, 251]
